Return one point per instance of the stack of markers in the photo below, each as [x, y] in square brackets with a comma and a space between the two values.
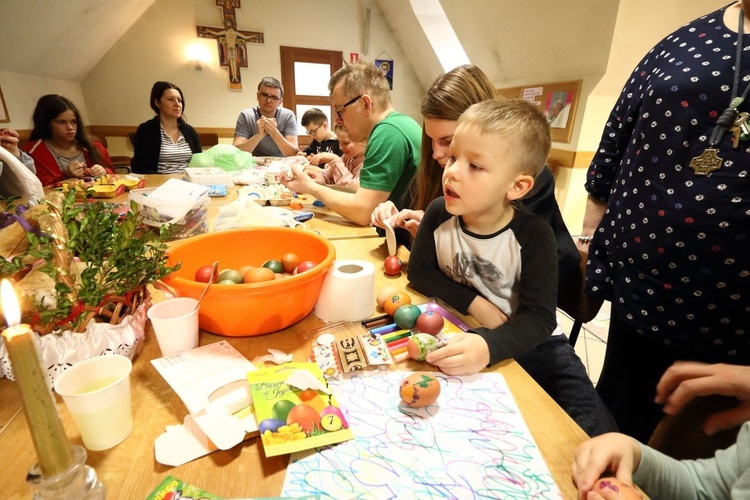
[396, 344]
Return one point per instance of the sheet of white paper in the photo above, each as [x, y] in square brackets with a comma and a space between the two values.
[472, 443]
[196, 374]
[176, 189]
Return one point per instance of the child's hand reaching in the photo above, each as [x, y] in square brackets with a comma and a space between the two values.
[465, 354]
[613, 452]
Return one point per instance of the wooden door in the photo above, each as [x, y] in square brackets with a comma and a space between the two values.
[305, 74]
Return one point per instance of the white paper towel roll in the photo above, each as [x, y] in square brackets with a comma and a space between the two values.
[348, 292]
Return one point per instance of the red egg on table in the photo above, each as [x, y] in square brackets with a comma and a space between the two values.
[419, 390]
[392, 265]
[430, 322]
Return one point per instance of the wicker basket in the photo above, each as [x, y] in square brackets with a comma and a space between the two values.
[112, 310]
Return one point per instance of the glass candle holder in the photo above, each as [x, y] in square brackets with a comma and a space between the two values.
[77, 481]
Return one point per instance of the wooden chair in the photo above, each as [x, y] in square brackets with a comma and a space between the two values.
[208, 139]
[121, 163]
[572, 299]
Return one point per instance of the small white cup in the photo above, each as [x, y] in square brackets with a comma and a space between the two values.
[97, 394]
[175, 324]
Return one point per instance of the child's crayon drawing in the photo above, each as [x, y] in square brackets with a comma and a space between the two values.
[473, 443]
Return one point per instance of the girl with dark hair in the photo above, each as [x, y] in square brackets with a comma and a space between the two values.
[60, 146]
[166, 143]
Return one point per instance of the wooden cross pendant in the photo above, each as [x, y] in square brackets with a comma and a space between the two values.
[232, 42]
[707, 162]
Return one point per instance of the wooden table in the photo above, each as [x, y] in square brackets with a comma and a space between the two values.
[130, 471]
[325, 222]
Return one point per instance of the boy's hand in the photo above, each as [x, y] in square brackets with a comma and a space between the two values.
[487, 313]
[613, 452]
[685, 380]
[465, 354]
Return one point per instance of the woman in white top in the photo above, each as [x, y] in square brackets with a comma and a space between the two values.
[165, 144]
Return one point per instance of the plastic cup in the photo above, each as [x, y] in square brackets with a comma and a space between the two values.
[97, 394]
[175, 323]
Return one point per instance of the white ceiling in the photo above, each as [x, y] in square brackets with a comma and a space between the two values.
[62, 39]
[512, 40]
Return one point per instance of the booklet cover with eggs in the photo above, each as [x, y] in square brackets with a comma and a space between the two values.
[295, 409]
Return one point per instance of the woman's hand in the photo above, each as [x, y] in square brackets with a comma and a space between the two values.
[382, 214]
[408, 219]
[95, 171]
[615, 453]
[76, 169]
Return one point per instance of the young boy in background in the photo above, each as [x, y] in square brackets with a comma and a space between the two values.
[483, 254]
[342, 171]
[324, 141]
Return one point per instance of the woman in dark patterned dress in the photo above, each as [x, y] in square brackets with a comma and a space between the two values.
[669, 199]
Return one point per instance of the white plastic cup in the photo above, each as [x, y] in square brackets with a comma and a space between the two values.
[175, 323]
[97, 394]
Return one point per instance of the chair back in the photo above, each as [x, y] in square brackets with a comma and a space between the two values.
[572, 299]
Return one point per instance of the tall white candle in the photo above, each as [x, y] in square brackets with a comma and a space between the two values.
[50, 442]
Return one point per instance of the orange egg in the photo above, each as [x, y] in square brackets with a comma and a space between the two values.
[395, 301]
[419, 390]
[258, 274]
[626, 491]
[290, 261]
[385, 292]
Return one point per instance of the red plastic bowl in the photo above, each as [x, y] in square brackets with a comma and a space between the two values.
[251, 308]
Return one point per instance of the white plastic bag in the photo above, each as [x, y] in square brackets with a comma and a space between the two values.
[19, 180]
[245, 212]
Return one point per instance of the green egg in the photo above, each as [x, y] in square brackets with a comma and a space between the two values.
[274, 265]
[281, 409]
[230, 275]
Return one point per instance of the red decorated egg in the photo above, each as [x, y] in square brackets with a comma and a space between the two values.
[392, 265]
[430, 322]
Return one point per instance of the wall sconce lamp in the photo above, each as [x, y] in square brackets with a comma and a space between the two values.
[198, 55]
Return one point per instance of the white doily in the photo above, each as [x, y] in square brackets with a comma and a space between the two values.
[61, 351]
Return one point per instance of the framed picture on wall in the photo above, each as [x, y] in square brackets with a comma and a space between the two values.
[558, 101]
[4, 118]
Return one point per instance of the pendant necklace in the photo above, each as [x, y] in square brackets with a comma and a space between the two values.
[730, 119]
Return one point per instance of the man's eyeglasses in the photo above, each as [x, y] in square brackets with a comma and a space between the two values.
[341, 109]
[268, 97]
[312, 132]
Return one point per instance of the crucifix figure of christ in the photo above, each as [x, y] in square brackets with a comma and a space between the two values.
[232, 42]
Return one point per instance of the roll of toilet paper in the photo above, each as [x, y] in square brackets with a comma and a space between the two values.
[348, 292]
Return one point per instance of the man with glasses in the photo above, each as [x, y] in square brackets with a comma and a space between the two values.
[361, 101]
[267, 129]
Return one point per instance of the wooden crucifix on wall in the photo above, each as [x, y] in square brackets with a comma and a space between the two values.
[232, 42]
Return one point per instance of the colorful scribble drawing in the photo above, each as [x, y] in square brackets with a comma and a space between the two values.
[473, 443]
